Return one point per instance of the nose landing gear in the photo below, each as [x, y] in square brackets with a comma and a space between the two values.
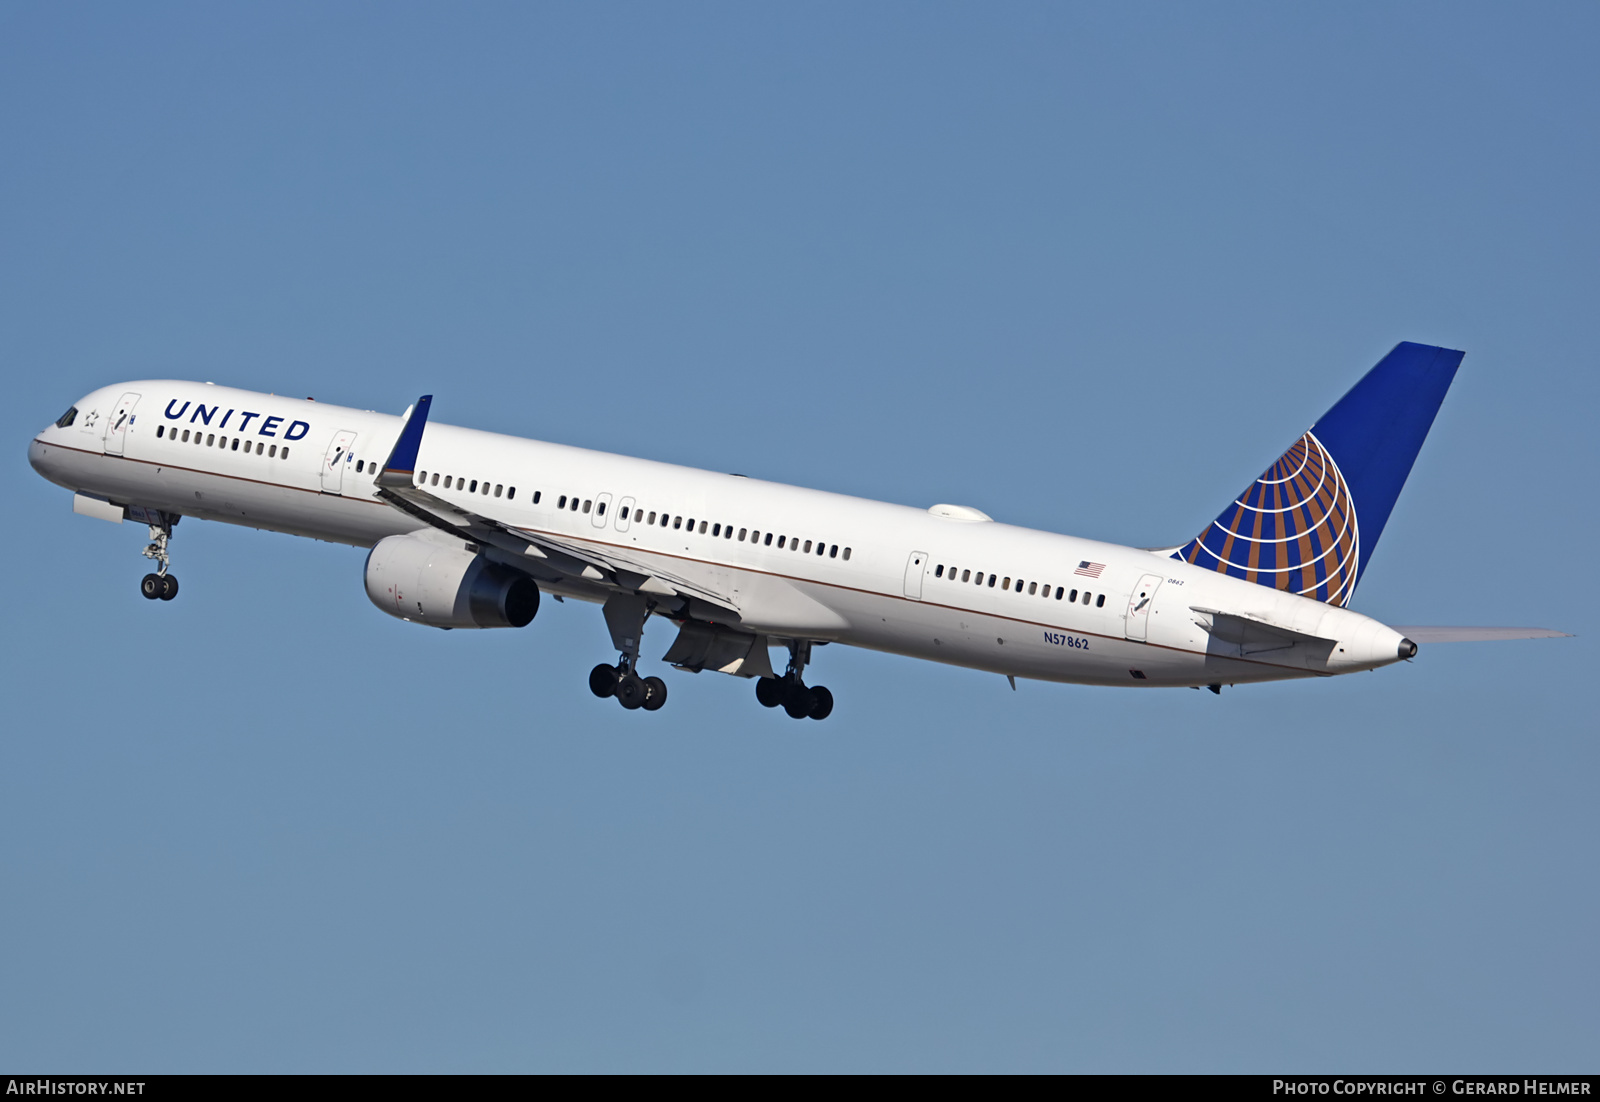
[160, 585]
[790, 691]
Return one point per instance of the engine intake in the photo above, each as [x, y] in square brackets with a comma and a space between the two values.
[433, 579]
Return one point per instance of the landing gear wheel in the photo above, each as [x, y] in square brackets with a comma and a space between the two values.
[152, 586]
[631, 691]
[821, 702]
[799, 702]
[655, 693]
[169, 587]
[603, 681]
[769, 691]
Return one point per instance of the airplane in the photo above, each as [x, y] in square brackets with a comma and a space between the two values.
[468, 529]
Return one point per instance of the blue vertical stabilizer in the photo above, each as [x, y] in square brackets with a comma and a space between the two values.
[1310, 522]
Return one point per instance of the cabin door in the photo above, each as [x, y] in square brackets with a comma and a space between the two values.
[340, 455]
[117, 426]
[1139, 602]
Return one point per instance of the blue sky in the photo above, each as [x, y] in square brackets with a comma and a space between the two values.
[1088, 268]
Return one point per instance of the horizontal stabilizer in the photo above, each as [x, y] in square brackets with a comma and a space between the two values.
[1436, 634]
[1253, 635]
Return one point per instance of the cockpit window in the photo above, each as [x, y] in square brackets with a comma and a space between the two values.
[66, 419]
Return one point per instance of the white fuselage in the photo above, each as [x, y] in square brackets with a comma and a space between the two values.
[887, 577]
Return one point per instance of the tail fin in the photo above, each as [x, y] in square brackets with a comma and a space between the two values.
[1310, 522]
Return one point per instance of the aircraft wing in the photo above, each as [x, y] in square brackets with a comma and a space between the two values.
[1419, 633]
[612, 567]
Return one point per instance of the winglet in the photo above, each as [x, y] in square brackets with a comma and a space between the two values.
[402, 463]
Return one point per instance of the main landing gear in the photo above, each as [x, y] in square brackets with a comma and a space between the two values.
[631, 690]
[791, 692]
[625, 615]
[160, 586]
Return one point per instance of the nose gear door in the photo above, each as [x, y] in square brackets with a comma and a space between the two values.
[117, 425]
[340, 455]
[916, 567]
[1144, 594]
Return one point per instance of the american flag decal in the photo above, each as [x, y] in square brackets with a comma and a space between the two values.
[1090, 569]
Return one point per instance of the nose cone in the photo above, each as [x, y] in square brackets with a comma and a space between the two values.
[46, 458]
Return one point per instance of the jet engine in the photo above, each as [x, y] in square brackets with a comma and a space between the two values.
[430, 578]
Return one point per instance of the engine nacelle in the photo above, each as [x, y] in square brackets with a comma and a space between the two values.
[431, 579]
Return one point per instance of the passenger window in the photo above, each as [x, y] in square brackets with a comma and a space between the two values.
[258, 448]
[768, 540]
[780, 543]
[991, 581]
[808, 547]
[1007, 585]
[536, 495]
[938, 571]
[497, 488]
[702, 527]
[161, 430]
[727, 531]
[284, 454]
[435, 478]
[360, 465]
[716, 530]
[1033, 587]
[185, 436]
[833, 552]
[511, 492]
[1058, 593]
[601, 511]
[272, 452]
[236, 446]
[587, 503]
[677, 523]
[652, 519]
[966, 575]
[1100, 601]
[624, 514]
[1086, 596]
[846, 554]
[742, 532]
[820, 548]
[473, 487]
